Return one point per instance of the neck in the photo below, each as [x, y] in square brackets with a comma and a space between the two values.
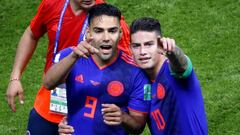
[153, 72]
[103, 63]
[76, 8]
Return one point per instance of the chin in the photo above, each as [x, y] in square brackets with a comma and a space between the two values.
[106, 57]
[87, 7]
[145, 66]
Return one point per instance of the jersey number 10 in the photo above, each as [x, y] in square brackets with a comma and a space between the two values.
[157, 116]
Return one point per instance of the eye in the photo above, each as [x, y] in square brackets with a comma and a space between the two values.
[148, 44]
[113, 30]
[96, 30]
[135, 46]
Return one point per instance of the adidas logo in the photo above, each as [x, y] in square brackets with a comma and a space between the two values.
[79, 78]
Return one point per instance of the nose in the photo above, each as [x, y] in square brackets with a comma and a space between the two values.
[106, 37]
[142, 50]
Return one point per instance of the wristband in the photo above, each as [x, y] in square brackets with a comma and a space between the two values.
[186, 73]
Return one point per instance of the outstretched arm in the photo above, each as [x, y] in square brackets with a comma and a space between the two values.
[58, 72]
[25, 50]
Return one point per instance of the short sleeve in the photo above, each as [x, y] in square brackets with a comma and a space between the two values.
[62, 54]
[37, 23]
[141, 95]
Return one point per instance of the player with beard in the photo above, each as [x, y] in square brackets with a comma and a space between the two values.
[106, 92]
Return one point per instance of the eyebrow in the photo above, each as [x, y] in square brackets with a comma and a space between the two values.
[148, 42]
[115, 27]
[151, 41]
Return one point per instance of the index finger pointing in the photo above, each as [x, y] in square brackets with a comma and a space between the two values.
[94, 50]
[91, 48]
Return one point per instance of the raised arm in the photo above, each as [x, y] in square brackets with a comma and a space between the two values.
[25, 50]
[180, 64]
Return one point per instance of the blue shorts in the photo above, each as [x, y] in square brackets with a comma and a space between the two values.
[37, 125]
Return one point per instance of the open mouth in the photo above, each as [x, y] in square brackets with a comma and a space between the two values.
[106, 48]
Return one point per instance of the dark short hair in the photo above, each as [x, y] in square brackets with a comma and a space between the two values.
[146, 24]
[104, 9]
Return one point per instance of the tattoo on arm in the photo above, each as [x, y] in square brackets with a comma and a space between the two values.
[178, 61]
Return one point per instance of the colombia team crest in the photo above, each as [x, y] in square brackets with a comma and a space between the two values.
[160, 91]
[115, 88]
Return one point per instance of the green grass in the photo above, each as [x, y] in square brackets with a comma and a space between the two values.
[208, 31]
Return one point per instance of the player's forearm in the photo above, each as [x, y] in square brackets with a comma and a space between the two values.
[58, 72]
[178, 61]
[25, 50]
[133, 125]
